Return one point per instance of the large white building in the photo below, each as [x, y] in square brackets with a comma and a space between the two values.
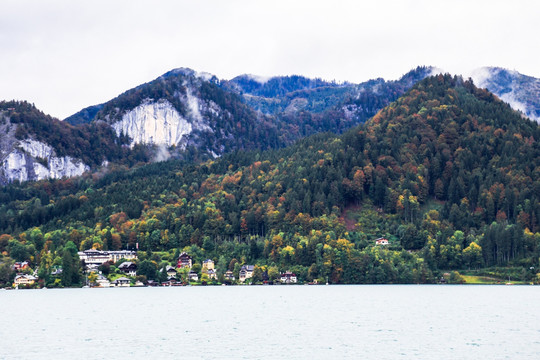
[97, 257]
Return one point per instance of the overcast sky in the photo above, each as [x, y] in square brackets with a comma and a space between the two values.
[64, 55]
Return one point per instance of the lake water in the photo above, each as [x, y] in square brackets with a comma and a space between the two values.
[273, 322]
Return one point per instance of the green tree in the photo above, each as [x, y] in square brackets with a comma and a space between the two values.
[68, 269]
[6, 273]
[18, 251]
[472, 255]
[257, 275]
[273, 273]
[147, 268]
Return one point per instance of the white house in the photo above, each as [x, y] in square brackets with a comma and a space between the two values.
[381, 241]
[246, 272]
[229, 275]
[24, 279]
[288, 278]
[171, 272]
[121, 282]
[211, 274]
[128, 268]
[193, 276]
[102, 281]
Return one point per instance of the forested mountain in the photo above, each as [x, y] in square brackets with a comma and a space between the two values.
[448, 173]
[36, 146]
[286, 94]
[186, 109]
[303, 107]
[187, 115]
[522, 92]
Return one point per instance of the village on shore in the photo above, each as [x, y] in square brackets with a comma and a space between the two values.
[123, 268]
[104, 269]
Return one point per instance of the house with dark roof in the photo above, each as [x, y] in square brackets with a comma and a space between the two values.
[246, 272]
[128, 268]
[229, 275]
[208, 264]
[171, 272]
[211, 274]
[184, 260]
[121, 282]
[102, 281]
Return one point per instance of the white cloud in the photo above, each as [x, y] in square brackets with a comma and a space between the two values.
[65, 55]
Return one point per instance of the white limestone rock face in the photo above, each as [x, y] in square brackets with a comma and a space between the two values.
[36, 149]
[66, 166]
[24, 162]
[156, 123]
[14, 167]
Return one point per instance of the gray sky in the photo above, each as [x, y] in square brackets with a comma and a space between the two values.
[64, 55]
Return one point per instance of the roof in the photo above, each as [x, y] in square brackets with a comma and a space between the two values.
[208, 261]
[126, 265]
[26, 276]
[288, 274]
[94, 252]
[248, 267]
[122, 279]
[184, 255]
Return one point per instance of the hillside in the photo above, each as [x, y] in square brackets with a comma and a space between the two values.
[183, 114]
[303, 107]
[36, 146]
[286, 94]
[184, 108]
[448, 172]
[522, 92]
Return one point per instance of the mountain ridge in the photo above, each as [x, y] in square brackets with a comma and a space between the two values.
[184, 113]
[448, 173]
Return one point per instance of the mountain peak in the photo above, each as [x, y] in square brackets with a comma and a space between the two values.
[520, 91]
[205, 76]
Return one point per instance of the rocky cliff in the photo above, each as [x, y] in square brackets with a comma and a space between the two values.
[28, 159]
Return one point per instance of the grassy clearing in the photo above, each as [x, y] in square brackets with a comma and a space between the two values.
[486, 280]
[473, 279]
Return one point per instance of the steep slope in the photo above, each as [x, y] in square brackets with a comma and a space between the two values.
[36, 146]
[520, 91]
[447, 171]
[183, 109]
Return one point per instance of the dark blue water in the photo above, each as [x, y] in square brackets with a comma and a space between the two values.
[274, 322]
